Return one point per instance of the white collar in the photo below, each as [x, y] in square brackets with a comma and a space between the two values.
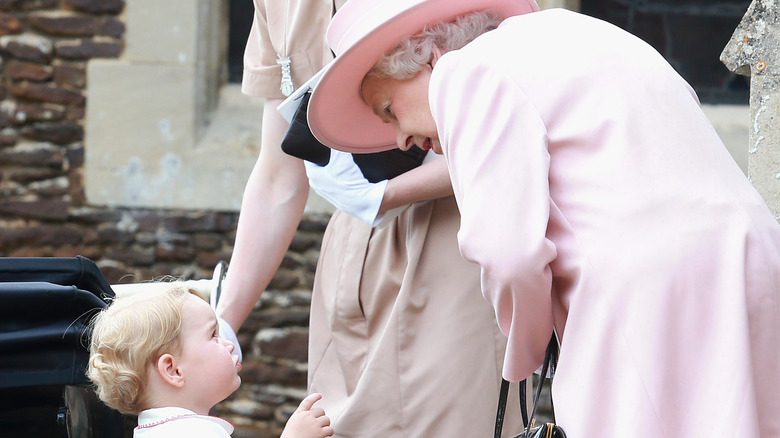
[156, 416]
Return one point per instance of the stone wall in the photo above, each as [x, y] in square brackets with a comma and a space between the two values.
[44, 48]
[753, 51]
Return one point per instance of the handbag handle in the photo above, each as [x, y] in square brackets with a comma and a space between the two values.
[502, 395]
[550, 363]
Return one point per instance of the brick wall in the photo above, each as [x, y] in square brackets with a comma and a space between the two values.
[44, 48]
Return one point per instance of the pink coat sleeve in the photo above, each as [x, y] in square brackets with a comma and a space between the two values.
[495, 143]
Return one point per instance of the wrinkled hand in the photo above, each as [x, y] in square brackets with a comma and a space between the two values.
[308, 421]
[342, 183]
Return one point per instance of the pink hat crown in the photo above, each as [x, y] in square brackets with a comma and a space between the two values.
[358, 18]
[359, 33]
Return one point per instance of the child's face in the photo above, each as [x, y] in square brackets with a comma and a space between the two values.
[210, 368]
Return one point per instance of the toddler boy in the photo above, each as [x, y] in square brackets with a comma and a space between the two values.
[160, 356]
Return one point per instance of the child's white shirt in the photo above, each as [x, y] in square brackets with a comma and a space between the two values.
[173, 421]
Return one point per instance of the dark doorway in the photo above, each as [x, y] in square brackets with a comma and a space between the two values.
[241, 15]
[690, 34]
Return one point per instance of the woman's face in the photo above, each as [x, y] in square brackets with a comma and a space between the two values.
[404, 105]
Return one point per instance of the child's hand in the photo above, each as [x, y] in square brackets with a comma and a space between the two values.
[308, 421]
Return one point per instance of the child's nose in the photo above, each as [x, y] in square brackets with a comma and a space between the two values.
[229, 345]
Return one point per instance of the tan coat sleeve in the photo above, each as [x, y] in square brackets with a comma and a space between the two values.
[294, 28]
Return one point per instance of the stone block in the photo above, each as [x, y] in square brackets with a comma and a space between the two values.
[56, 235]
[303, 241]
[201, 221]
[145, 220]
[27, 113]
[109, 235]
[210, 258]
[206, 242]
[75, 113]
[20, 70]
[93, 216]
[47, 93]
[73, 75]
[132, 256]
[51, 187]
[15, 236]
[9, 24]
[98, 6]
[162, 31]
[112, 27]
[82, 49]
[63, 23]
[315, 222]
[266, 372]
[165, 237]
[137, 111]
[39, 235]
[58, 132]
[33, 5]
[753, 50]
[9, 188]
[28, 47]
[8, 136]
[289, 343]
[247, 408]
[114, 272]
[6, 5]
[25, 175]
[44, 209]
[284, 279]
[143, 148]
[171, 252]
[284, 317]
[33, 155]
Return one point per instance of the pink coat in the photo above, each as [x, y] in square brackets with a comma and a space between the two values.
[598, 199]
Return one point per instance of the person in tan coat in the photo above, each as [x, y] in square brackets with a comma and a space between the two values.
[397, 348]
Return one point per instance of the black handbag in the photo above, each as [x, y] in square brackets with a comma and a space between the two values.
[299, 142]
[546, 430]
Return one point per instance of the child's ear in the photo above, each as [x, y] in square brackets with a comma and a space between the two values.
[168, 369]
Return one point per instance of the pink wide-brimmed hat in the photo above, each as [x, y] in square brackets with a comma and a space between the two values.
[359, 33]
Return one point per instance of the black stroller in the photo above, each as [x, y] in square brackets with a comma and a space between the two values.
[45, 306]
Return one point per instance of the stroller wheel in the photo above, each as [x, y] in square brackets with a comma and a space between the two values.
[76, 412]
[85, 416]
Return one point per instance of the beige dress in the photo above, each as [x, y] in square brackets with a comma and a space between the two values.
[402, 344]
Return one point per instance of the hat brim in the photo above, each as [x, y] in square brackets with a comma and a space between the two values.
[337, 114]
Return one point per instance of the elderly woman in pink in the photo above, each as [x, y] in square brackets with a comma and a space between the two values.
[596, 197]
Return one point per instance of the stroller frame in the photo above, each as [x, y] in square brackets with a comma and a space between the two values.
[46, 305]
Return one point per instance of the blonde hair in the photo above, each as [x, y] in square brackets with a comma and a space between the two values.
[128, 336]
[404, 61]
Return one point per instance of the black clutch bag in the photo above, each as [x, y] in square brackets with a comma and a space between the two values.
[546, 430]
[377, 166]
[299, 142]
